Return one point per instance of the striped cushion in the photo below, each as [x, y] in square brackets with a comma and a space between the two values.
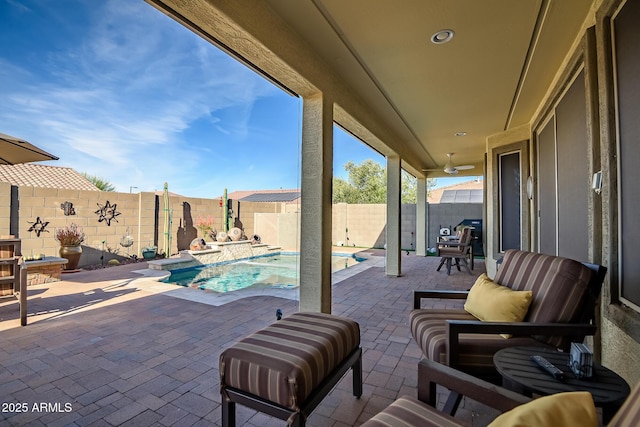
[629, 413]
[407, 412]
[428, 327]
[285, 361]
[559, 287]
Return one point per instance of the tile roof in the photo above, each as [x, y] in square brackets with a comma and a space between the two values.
[34, 175]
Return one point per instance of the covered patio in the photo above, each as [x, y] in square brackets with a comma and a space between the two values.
[536, 96]
[126, 354]
[554, 139]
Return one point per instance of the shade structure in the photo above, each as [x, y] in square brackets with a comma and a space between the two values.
[15, 150]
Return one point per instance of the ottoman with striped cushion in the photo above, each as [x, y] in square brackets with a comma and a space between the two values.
[287, 368]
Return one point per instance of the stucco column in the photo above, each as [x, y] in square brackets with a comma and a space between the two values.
[421, 217]
[315, 221]
[393, 216]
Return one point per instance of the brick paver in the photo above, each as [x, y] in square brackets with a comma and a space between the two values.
[104, 353]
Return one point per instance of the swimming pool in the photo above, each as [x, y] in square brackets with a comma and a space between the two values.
[277, 270]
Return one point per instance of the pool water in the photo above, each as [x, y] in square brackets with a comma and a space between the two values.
[277, 271]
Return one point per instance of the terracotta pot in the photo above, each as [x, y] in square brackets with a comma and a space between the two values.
[72, 255]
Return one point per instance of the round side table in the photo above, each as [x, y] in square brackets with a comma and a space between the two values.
[523, 375]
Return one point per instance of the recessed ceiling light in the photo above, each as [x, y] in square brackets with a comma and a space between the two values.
[460, 134]
[442, 36]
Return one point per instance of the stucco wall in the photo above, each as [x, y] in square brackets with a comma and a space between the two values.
[622, 353]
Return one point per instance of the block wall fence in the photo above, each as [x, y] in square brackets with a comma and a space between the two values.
[364, 226]
[34, 213]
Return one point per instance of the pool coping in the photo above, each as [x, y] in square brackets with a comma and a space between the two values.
[150, 282]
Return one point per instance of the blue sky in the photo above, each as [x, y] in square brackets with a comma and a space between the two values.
[117, 89]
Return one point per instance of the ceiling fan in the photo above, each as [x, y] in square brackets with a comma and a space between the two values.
[450, 168]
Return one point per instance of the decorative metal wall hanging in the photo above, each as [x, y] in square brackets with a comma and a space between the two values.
[107, 213]
[38, 226]
[68, 208]
[126, 241]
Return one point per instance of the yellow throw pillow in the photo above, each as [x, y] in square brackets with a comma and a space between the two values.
[490, 302]
[573, 409]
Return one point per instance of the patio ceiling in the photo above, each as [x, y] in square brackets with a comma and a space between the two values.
[491, 77]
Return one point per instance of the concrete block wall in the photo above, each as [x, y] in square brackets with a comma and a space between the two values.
[184, 213]
[43, 206]
[359, 225]
[142, 216]
[449, 215]
[365, 225]
[408, 227]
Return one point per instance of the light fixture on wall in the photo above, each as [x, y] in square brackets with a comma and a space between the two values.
[530, 187]
[596, 182]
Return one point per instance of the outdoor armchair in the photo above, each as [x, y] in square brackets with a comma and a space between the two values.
[557, 409]
[561, 308]
[455, 250]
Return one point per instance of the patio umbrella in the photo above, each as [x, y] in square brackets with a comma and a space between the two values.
[15, 150]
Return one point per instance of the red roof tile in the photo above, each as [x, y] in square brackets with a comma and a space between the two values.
[34, 175]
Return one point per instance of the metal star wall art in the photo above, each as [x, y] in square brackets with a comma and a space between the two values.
[107, 213]
[38, 226]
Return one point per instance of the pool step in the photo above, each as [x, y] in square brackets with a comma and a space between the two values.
[172, 263]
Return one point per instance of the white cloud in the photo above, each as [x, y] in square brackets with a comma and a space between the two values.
[118, 102]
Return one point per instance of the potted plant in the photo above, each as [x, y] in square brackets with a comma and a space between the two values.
[70, 238]
[205, 225]
[149, 252]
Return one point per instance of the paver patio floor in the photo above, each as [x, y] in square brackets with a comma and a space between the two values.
[100, 350]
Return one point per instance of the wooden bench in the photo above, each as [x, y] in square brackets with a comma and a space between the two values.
[287, 368]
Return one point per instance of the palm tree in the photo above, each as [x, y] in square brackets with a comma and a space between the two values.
[102, 184]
